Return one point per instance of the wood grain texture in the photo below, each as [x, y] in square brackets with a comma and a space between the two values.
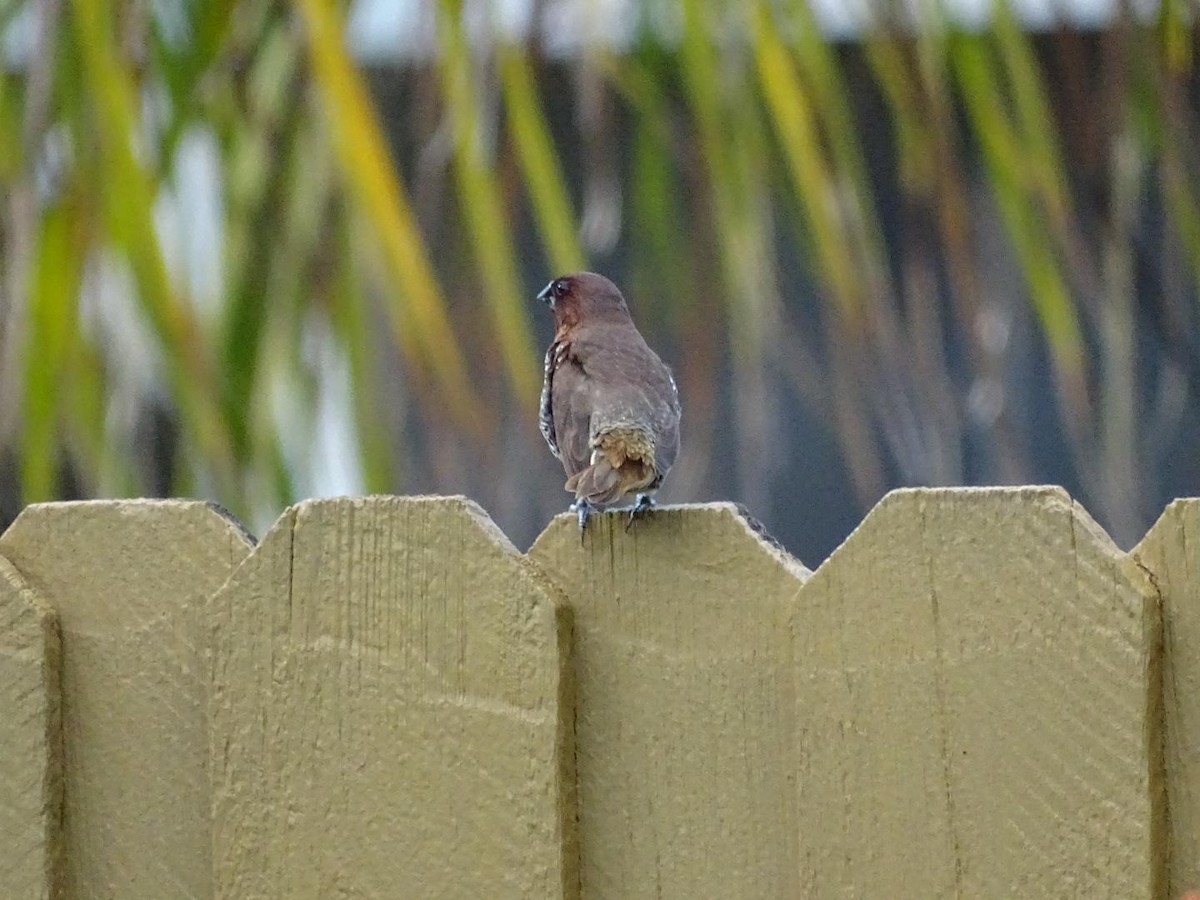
[1171, 553]
[389, 710]
[974, 705]
[30, 743]
[129, 581]
[685, 703]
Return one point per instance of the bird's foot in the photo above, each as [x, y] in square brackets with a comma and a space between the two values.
[584, 508]
[643, 505]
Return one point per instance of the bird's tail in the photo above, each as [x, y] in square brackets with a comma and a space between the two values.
[622, 462]
[599, 483]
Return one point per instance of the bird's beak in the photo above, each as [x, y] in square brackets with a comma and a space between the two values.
[547, 295]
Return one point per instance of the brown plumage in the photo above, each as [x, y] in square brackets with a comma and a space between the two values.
[610, 410]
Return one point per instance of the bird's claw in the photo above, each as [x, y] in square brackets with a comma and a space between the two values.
[644, 503]
[584, 508]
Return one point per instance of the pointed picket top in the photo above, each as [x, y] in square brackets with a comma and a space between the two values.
[30, 741]
[685, 702]
[731, 532]
[1170, 551]
[391, 709]
[128, 581]
[148, 533]
[977, 717]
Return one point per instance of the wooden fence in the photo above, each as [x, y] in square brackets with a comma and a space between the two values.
[976, 695]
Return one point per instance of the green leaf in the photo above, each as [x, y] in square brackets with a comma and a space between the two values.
[539, 163]
[418, 311]
[488, 226]
[55, 285]
[128, 201]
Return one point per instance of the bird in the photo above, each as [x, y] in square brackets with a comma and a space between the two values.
[609, 407]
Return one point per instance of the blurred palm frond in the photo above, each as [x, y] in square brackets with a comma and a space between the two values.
[235, 263]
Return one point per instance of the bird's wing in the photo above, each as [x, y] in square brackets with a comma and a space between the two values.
[669, 439]
[554, 355]
[631, 388]
[566, 407]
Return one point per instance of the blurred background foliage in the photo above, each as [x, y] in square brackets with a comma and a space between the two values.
[251, 252]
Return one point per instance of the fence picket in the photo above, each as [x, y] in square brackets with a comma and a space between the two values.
[1171, 553]
[390, 712]
[30, 742]
[684, 729]
[976, 704]
[128, 580]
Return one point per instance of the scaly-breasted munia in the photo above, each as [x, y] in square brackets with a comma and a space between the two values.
[610, 408]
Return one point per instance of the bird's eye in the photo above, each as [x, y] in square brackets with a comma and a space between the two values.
[560, 288]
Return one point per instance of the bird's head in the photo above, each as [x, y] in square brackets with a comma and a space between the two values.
[583, 296]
